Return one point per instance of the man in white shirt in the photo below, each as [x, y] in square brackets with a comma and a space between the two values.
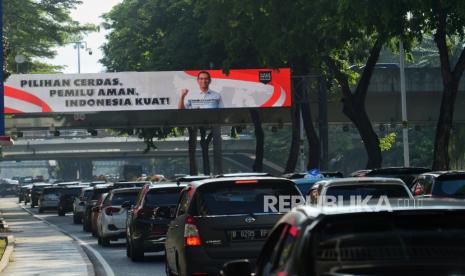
[205, 98]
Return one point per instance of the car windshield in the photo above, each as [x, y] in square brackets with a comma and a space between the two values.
[450, 188]
[87, 193]
[375, 191]
[407, 178]
[230, 198]
[120, 198]
[162, 197]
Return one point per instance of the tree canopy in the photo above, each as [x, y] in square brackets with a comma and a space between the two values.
[34, 28]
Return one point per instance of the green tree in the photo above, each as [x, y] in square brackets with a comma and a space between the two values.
[33, 28]
[266, 34]
[445, 20]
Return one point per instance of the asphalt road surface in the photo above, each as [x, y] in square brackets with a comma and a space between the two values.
[114, 256]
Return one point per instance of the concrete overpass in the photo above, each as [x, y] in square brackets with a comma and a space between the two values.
[236, 153]
[111, 148]
[424, 92]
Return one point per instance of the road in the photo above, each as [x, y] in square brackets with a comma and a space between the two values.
[114, 255]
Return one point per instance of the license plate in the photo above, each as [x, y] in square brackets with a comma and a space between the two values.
[244, 235]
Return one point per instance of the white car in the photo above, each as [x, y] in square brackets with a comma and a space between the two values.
[362, 187]
[111, 221]
[79, 204]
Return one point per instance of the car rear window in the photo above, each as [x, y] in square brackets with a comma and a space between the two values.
[72, 191]
[375, 191]
[229, 198]
[450, 188]
[52, 191]
[367, 243]
[97, 193]
[120, 198]
[162, 197]
[87, 193]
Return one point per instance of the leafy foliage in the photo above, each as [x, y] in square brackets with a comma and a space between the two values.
[34, 27]
[387, 142]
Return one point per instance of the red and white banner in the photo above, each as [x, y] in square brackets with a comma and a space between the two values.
[131, 91]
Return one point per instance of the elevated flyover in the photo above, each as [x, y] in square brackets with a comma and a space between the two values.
[111, 148]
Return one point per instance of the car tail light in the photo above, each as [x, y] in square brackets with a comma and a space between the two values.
[111, 210]
[246, 181]
[191, 233]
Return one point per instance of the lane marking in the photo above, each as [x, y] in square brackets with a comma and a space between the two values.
[106, 267]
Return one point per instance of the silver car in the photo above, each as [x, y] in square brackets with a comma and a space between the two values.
[50, 198]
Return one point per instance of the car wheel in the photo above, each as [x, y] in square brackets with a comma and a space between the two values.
[137, 252]
[167, 267]
[85, 226]
[76, 219]
[128, 251]
[104, 241]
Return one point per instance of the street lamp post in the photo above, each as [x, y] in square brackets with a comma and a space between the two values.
[81, 45]
[404, 106]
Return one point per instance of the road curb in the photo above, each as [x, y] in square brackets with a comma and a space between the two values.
[10, 240]
[89, 265]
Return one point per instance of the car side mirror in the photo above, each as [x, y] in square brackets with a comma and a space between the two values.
[163, 212]
[126, 205]
[237, 268]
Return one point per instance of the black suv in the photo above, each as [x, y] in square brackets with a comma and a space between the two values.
[450, 184]
[222, 219]
[408, 239]
[407, 174]
[36, 191]
[68, 194]
[148, 220]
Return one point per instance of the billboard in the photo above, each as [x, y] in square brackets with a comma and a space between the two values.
[136, 91]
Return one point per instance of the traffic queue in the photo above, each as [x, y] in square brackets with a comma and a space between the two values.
[311, 223]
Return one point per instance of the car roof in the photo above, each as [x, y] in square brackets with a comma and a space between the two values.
[359, 180]
[41, 184]
[440, 173]
[229, 179]
[166, 185]
[398, 170]
[132, 182]
[190, 178]
[126, 190]
[243, 174]
[76, 186]
[314, 211]
[67, 183]
[102, 186]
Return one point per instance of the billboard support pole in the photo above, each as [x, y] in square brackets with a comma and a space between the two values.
[217, 151]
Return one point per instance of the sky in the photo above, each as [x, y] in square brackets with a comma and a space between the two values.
[88, 12]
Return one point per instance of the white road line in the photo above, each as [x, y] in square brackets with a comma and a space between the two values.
[101, 260]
